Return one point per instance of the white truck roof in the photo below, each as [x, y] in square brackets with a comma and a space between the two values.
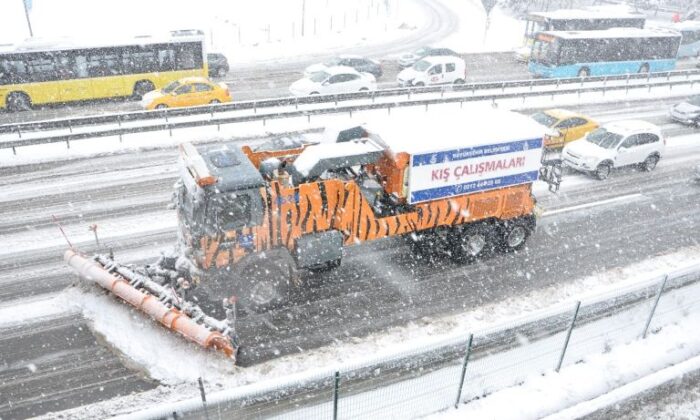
[487, 126]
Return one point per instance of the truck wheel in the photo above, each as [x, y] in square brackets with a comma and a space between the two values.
[514, 235]
[262, 283]
[471, 242]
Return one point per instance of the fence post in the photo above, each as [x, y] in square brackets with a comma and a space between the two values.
[568, 336]
[204, 397]
[336, 387]
[464, 369]
[653, 308]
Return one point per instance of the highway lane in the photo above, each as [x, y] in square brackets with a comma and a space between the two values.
[368, 294]
[58, 364]
[436, 287]
[85, 191]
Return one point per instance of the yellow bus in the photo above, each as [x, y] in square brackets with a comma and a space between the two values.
[36, 74]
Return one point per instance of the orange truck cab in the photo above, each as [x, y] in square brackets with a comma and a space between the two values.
[249, 220]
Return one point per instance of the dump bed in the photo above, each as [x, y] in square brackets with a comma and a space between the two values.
[451, 157]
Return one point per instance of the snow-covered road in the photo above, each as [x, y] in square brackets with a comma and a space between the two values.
[396, 293]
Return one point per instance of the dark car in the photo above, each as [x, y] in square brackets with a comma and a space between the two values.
[409, 59]
[360, 64]
[218, 64]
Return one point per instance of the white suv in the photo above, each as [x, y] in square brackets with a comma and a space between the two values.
[616, 144]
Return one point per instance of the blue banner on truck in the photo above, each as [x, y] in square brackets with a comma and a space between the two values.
[450, 173]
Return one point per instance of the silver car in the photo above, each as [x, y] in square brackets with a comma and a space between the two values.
[687, 112]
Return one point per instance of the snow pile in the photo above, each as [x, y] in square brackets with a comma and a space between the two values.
[245, 31]
[156, 350]
[598, 374]
[145, 342]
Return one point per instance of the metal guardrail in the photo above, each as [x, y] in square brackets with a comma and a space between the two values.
[650, 81]
[411, 375]
[255, 106]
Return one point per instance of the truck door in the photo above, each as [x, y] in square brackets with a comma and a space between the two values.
[233, 218]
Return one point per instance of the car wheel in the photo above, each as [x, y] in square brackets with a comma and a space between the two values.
[602, 171]
[364, 89]
[584, 72]
[459, 82]
[141, 88]
[650, 163]
[419, 84]
[161, 106]
[215, 101]
[18, 101]
[314, 93]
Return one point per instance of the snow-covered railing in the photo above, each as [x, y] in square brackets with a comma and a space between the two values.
[439, 375]
[67, 130]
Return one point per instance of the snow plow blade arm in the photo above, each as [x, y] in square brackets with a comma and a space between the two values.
[170, 317]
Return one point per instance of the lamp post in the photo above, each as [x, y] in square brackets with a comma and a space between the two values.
[27, 6]
[303, 16]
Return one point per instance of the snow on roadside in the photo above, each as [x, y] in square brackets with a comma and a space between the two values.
[157, 351]
[110, 229]
[32, 310]
[504, 32]
[596, 375]
[245, 31]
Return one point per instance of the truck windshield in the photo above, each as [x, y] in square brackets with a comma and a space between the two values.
[603, 138]
[231, 211]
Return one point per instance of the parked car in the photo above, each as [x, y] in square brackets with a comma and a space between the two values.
[434, 71]
[565, 126]
[617, 144]
[189, 91]
[339, 79]
[687, 112]
[218, 64]
[361, 64]
[409, 59]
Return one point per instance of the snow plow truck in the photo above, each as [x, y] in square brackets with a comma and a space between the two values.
[250, 221]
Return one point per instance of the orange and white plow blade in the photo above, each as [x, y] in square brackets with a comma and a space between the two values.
[172, 318]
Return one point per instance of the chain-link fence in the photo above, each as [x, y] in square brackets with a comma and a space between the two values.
[438, 376]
